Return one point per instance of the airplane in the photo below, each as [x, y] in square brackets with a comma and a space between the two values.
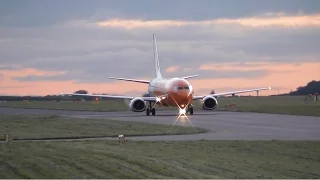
[176, 92]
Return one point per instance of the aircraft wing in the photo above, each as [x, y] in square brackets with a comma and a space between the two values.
[111, 96]
[229, 93]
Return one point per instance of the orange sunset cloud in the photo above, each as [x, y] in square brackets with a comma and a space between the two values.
[172, 69]
[287, 76]
[279, 19]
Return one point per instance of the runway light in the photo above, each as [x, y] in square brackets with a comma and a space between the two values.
[182, 111]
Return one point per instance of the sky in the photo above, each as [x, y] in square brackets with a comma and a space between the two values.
[53, 46]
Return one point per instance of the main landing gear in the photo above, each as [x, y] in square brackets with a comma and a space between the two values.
[152, 110]
[148, 110]
[190, 110]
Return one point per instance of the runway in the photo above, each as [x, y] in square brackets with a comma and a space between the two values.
[222, 125]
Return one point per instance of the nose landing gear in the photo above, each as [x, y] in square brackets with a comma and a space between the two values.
[148, 110]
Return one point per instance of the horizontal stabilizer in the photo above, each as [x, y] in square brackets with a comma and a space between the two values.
[187, 77]
[132, 80]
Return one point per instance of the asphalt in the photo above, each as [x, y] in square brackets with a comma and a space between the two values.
[223, 125]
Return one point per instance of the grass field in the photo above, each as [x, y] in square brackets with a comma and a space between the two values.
[139, 159]
[294, 105]
[109, 105]
[48, 127]
[192, 159]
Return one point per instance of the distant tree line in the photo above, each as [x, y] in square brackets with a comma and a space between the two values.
[311, 88]
[81, 92]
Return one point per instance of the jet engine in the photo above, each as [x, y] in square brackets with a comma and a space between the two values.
[137, 105]
[209, 103]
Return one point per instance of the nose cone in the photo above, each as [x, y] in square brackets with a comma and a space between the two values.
[183, 98]
[182, 92]
[182, 87]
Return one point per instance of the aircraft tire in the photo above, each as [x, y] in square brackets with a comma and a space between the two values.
[148, 112]
[191, 110]
[153, 111]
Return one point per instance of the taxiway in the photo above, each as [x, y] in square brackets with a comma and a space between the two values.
[222, 125]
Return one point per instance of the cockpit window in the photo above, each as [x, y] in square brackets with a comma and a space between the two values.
[183, 87]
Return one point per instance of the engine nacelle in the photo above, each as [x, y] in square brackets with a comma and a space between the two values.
[137, 105]
[209, 103]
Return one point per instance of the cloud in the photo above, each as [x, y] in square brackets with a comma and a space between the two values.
[280, 19]
[12, 87]
[275, 78]
[221, 74]
[31, 71]
[212, 80]
[84, 44]
[40, 78]
[274, 67]
[86, 52]
[136, 23]
[250, 74]
[172, 69]
[35, 13]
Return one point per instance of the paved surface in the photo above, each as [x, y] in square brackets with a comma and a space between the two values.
[223, 125]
